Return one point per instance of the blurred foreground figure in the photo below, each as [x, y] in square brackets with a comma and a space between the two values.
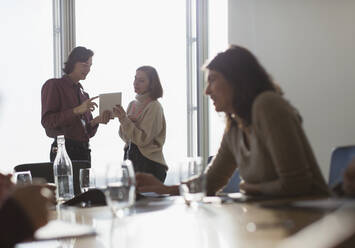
[22, 210]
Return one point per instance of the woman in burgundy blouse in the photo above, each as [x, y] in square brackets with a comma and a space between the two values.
[66, 107]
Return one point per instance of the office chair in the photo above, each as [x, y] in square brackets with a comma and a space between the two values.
[45, 170]
[233, 184]
[340, 159]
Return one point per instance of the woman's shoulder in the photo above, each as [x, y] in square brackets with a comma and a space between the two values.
[52, 80]
[52, 83]
[156, 105]
[132, 102]
[231, 133]
[270, 100]
[272, 103]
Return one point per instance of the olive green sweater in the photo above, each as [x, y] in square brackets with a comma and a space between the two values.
[279, 159]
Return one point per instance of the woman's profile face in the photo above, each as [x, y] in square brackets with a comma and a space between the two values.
[220, 92]
[141, 82]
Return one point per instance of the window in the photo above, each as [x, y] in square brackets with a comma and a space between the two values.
[125, 37]
[26, 63]
[218, 35]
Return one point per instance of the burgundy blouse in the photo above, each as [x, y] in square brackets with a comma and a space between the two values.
[59, 97]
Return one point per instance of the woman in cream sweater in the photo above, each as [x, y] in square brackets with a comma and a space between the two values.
[143, 126]
[263, 138]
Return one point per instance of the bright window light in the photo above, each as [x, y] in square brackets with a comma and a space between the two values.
[26, 63]
[125, 35]
[218, 42]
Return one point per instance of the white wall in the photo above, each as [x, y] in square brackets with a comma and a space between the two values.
[308, 46]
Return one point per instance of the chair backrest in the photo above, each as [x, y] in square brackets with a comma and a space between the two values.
[233, 184]
[340, 159]
[45, 170]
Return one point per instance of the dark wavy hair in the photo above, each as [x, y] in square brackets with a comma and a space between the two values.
[155, 89]
[78, 54]
[247, 77]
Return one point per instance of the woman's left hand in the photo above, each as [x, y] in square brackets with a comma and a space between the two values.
[119, 112]
[148, 183]
[102, 119]
[249, 188]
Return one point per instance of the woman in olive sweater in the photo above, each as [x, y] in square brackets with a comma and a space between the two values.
[263, 138]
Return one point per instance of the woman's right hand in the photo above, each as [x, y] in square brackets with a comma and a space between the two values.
[148, 183]
[86, 106]
[119, 112]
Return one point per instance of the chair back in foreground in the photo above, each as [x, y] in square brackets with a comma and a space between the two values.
[340, 159]
[233, 184]
[45, 170]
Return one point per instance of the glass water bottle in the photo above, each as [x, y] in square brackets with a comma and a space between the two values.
[63, 172]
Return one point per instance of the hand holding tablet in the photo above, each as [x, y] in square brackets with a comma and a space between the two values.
[108, 101]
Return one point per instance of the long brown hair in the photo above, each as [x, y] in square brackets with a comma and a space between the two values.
[246, 76]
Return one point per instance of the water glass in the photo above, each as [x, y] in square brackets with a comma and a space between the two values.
[23, 177]
[120, 186]
[86, 179]
[192, 180]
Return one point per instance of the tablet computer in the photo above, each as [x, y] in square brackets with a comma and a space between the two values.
[109, 100]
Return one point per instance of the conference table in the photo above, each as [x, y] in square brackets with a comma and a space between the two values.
[217, 222]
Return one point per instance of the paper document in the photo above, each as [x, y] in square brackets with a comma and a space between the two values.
[109, 100]
[57, 229]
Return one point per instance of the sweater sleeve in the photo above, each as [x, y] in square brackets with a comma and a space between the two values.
[221, 168]
[52, 117]
[15, 225]
[150, 126]
[121, 132]
[278, 125]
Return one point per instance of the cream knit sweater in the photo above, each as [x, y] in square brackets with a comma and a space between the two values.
[146, 130]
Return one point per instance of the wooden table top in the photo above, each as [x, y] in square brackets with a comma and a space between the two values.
[168, 222]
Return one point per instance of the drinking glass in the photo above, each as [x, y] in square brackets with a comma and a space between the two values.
[192, 180]
[23, 177]
[86, 179]
[120, 186]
